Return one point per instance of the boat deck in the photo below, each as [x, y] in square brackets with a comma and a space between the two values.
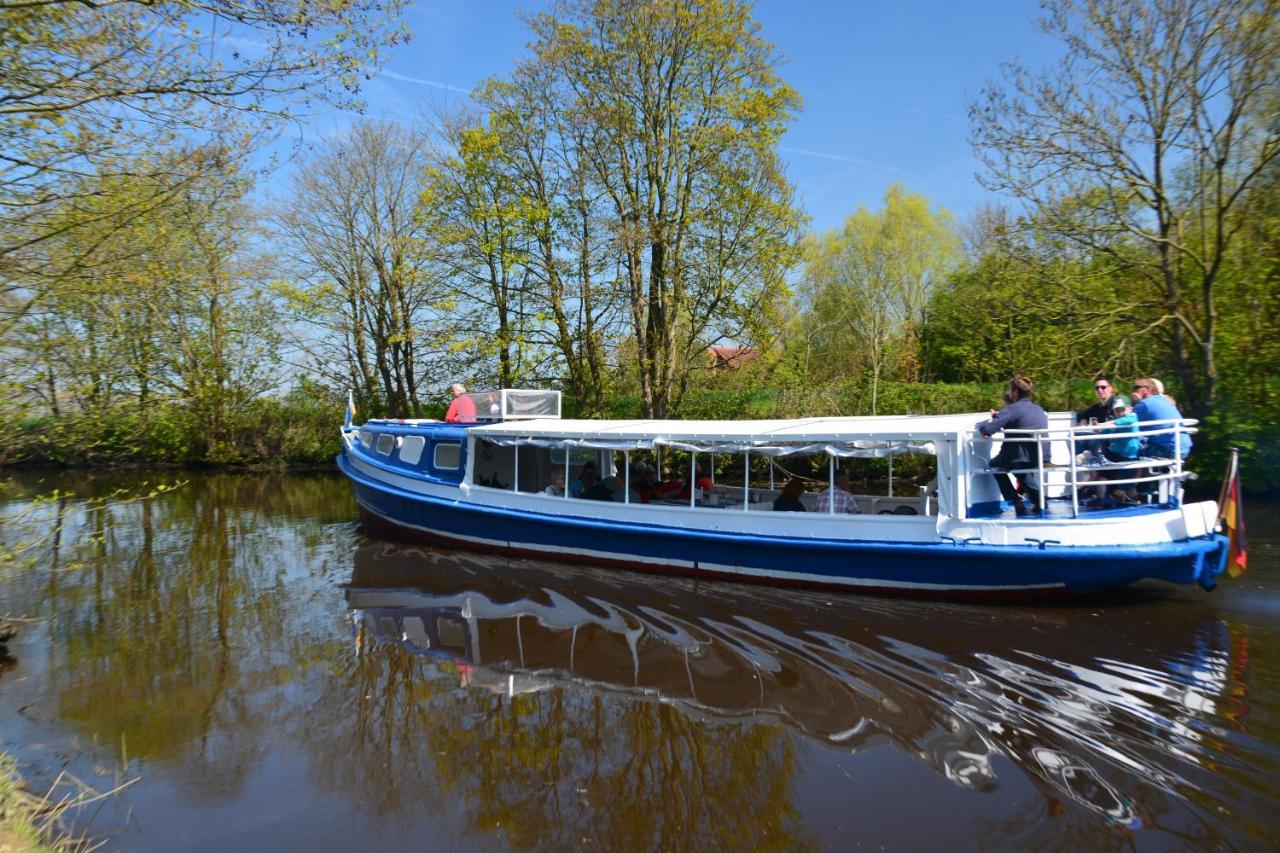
[1061, 508]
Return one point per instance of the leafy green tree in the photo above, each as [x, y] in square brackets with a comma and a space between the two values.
[680, 107]
[867, 287]
[86, 87]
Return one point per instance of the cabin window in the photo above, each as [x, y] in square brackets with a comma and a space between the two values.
[386, 442]
[366, 438]
[411, 449]
[494, 465]
[448, 456]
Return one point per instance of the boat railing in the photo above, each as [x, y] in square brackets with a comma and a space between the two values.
[1166, 473]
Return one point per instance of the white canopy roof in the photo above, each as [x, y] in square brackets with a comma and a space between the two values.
[806, 430]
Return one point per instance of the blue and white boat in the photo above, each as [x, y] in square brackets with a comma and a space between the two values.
[482, 485]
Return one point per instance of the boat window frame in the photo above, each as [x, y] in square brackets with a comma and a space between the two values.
[411, 447]
[385, 439]
[436, 446]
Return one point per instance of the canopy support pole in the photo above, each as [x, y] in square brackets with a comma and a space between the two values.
[693, 474]
[831, 485]
[626, 477]
[746, 480]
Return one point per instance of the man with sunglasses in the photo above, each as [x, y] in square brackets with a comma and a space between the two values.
[1106, 394]
[1151, 405]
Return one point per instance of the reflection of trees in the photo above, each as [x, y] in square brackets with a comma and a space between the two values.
[164, 640]
[548, 768]
[203, 629]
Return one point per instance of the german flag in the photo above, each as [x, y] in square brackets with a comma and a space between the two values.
[1231, 517]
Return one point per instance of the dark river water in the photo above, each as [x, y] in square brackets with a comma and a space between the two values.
[272, 679]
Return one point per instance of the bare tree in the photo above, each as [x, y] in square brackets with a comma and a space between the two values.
[359, 268]
[1140, 147]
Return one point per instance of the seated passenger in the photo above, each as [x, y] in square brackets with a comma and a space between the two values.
[840, 497]
[1019, 413]
[557, 485]
[1101, 410]
[586, 479]
[670, 489]
[1149, 405]
[1125, 422]
[700, 481]
[1122, 449]
[602, 491]
[789, 500]
[643, 481]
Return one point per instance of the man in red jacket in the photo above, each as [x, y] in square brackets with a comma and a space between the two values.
[463, 409]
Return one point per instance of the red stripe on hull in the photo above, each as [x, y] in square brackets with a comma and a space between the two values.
[376, 524]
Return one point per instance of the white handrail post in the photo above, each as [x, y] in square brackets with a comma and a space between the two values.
[566, 471]
[1176, 484]
[1040, 469]
[746, 480]
[693, 478]
[1075, 487]
[515, 485]
[831, 484]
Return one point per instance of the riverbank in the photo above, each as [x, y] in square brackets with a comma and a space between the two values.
[20, 831]
[298, 433]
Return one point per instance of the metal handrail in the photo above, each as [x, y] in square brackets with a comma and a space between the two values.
[1099, 433]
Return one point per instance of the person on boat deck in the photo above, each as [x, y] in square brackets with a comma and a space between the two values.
[839, 496]
[789, 500]
[609, 489]
[1019, 412]
[1101, 410]
[1124, 448]
[557, 485]
[644, 482]
[701, 481]
[601, 491]
[1151, 405]
[462, 409]
[586, 479]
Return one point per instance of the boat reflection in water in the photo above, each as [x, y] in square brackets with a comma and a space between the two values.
[1113, 720]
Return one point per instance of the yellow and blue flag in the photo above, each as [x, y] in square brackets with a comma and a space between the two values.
[351, 409]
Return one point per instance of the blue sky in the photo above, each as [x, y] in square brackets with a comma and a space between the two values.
[885, 85]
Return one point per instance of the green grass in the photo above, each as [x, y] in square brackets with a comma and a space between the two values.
[20, 829]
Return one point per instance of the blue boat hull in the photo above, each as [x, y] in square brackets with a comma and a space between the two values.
[946, 569]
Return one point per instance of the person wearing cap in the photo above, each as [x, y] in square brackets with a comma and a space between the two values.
[1123, 448]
